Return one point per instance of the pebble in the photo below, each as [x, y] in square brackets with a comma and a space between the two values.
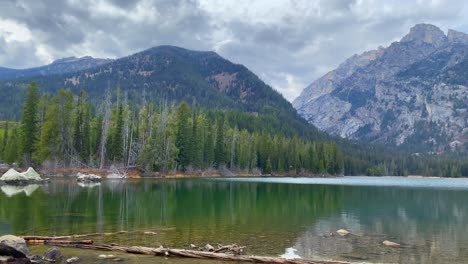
[343, 232]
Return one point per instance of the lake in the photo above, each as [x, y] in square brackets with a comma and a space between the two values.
[271, 216]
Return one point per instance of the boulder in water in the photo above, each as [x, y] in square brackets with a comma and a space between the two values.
[12, 176]
[13, 246]
[31, 174]
[88, 177]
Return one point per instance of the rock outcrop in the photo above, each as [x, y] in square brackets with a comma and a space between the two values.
[13, 250]
[412, 92]
[88, 178]
[29, 176]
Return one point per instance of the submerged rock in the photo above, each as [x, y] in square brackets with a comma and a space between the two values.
[343, 232]
[390, 244]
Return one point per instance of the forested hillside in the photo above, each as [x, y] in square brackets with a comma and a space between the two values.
[116, 113]
[66, 130]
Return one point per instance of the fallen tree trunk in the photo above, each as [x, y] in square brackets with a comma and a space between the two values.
[185, 253]
[60, 242]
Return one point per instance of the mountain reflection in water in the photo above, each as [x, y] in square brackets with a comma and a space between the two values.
[269, 218]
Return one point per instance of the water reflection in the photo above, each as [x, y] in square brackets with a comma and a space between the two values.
[431, 225]
[11, 190]
[269, 218]
[89, 184]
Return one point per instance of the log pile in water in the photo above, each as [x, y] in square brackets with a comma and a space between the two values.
[186, 253]
[221, 252]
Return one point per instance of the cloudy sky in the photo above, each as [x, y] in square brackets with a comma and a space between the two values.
[288, 43]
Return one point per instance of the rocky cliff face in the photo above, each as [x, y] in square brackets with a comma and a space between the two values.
[413, 92]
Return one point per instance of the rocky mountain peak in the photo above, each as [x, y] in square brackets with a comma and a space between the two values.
[426, 33]
[412, 93]
[457, 37]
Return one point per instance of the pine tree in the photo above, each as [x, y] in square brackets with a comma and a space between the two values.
[79, 141]
[29, 123]
[12, 152]
[208, 149]
[117, 138]
[4, 141]
[56, 135]
[220, 148]
[50, 143]
[183, 135]
[268, 167]
[197, 141]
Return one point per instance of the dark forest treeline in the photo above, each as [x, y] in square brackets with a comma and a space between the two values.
[67, 130]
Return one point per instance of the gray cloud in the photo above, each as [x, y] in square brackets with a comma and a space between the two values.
[288, 43]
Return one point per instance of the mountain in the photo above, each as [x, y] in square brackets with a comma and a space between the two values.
[412, 93]
[65, 65]
[168, 73]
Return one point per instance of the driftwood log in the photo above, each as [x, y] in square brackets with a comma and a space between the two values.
[60, 242]
[185, 253]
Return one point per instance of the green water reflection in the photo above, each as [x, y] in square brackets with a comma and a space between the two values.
[266, 217]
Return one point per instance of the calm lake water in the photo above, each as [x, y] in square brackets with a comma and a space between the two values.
[271, 216]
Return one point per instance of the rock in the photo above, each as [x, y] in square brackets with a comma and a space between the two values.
[53, 254]
[6, 259]
[11, 174]
[103, 256]
[88, 177]
[31, 174]
[13, 246]
[426, 33]
[343, 232]
[390, 244]
[73, 260]
[395, 95]
[209, 247]
[36, 259]
[11, 260]
[28, 176]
